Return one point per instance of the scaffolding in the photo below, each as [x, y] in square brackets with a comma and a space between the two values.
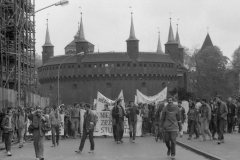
[17, 48]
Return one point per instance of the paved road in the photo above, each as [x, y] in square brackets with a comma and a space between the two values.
[144, 149]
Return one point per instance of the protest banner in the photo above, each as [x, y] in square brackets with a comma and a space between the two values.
[104, 125]
[102, 100]
[141, 98]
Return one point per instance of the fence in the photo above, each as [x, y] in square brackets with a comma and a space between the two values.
[8, 97]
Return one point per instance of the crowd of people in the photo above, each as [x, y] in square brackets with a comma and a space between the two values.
[164, 120]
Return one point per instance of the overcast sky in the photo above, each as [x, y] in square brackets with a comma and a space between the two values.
[107, 23]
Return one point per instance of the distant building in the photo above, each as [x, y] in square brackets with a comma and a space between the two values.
[82, 75]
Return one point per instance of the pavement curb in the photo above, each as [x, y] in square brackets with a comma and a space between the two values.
[198, 151]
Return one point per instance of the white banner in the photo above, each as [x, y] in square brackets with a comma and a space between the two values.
[104, 125]
[161, 96]
[102, 100]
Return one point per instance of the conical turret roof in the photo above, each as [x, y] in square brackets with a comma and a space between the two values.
[177, 39]
[47, 38]
[81, 31]
[132, 31]
[207, 42]
[170, 34]
[159, 46]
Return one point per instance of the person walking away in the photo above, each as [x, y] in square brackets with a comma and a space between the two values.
[231, 114]
[39, 125]
[222, 112]
[182, 116]
[205, 117]
[89, 123]
[21, 122]
[132, 120]
[213, 121]
[75, 119]
[8, 125]
[171, 123]
[56, 122]
[192, 121]
[114, 125]
[119, 114]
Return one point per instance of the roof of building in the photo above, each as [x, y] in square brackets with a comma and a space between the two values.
[47, 38]
[132, 31]
[110, 57]
[170, 34]
[207, 42]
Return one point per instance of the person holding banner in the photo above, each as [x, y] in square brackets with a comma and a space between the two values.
[89, 123]
[171, 123]
[118, 114]
[132, 113]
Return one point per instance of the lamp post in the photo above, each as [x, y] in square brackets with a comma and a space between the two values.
[58, 99]
[60, 3]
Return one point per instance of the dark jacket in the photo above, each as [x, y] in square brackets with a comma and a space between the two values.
[38, 122]
[90, 121]
[222, 111]
[170, 118]
[116, 114]
[132, 114]
[5, 124]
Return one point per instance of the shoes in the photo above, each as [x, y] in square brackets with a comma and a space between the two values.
[168, 152]
[118, 142]
[20, 146]
[189, 138]
[172, 156]
[133, 141]
[9, 153]
[121, 141]
[53, 145]
[78, 151]
[91, 152]
[41, 159]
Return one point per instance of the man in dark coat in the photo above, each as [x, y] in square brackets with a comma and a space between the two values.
[89, 123]
[119, 114]
[132, 113]
[222, 112]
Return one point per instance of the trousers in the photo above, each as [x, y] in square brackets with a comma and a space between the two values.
[55, 134]
[220, 128]
[205, 128]
[21, 132]
[120, 130]
[38, 143]
[170, 141]
[84, 137]
[75, 125]
[193, 128]
[8, 140]
[132, 129]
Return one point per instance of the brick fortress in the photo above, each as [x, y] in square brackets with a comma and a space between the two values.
[83, 72]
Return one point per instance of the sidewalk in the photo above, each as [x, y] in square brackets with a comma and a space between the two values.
[230, 150]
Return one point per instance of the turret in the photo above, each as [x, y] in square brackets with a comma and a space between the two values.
[82, 45]
[207, 42]
[132, 42]
[171, 47]
[159, 46]
[180, 48]
[48, 48]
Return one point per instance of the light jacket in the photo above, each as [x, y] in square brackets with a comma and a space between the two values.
[55, 118]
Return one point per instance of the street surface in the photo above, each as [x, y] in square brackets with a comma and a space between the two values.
[144, 149]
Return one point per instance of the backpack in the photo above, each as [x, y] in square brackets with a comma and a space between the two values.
[46, 125]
